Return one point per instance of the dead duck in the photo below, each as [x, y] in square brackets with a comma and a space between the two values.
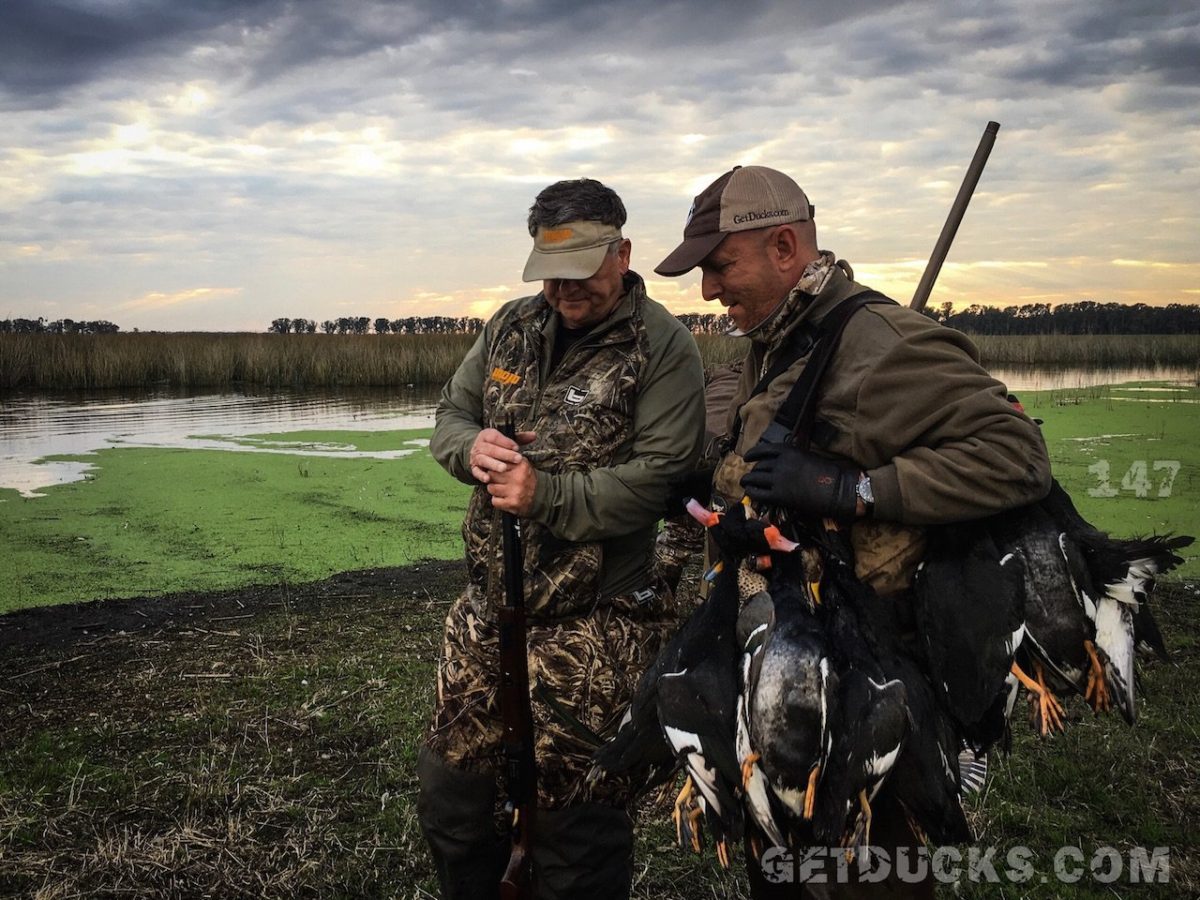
[755, 622]
[789, 701]
[696, 702]
[970, 608]
[1058, 652]
[1121, 575]
[925, 779]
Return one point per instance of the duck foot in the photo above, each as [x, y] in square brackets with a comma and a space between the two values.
[1047, 711]
[1097, 688]
[748, 769]
[756, 847]
[810, 792]
[860, 836]
[687, 814]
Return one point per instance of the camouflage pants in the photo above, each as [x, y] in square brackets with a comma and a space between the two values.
[680, 539]
[582, 672]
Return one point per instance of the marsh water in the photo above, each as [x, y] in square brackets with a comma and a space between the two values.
[34, 428]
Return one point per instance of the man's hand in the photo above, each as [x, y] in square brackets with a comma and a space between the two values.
[493, 453]
[695, 485]
[787, 476]
[496, 461]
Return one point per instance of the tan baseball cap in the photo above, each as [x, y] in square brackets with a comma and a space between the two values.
[744, 198]
[572, 250]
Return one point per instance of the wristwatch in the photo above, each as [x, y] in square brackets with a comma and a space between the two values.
[865, 494]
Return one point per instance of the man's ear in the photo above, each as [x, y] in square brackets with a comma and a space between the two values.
[623, 254]
[784, 245]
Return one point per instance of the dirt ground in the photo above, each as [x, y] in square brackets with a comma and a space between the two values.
[260, 743]
[31, 633]
[240, 743]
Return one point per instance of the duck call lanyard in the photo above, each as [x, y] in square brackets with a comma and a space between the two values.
[796, 417]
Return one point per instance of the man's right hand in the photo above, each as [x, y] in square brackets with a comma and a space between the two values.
[493, 452]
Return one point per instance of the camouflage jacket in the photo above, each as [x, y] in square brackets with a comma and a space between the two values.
[907, 401]
[620, 416]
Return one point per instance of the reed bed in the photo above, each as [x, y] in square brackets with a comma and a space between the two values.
[1099, 351]
[1113, 351]
[717, 349]
[68, 362]
[191, 360]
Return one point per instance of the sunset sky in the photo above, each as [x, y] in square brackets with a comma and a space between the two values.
[215, 164]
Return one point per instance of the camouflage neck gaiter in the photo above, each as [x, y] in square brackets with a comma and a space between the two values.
[812, 282]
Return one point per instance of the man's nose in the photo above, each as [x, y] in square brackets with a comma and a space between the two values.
[710, 286]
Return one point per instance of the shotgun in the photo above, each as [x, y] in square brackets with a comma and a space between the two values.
[516, 711]
[957, 211]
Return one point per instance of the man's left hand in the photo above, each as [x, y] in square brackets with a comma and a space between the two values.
[786, 476]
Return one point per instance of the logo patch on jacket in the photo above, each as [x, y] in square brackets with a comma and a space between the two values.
[504, 376]
[575, 395]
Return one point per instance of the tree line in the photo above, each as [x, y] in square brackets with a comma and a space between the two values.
[365, 324]
[1084, 317]
[58, 326]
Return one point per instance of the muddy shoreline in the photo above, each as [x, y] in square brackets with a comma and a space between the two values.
[28, 632]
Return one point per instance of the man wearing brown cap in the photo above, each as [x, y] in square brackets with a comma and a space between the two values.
[850, 407]
[606, 388]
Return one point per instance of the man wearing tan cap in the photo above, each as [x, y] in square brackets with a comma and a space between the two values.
[606, 388]
[850, 408]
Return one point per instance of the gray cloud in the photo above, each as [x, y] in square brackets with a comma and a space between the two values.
[48, 46]
[359, 142]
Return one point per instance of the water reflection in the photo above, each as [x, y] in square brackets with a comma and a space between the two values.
[1030, 378]
[33, 427]
[36, 426]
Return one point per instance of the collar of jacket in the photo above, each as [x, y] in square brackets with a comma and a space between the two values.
[803, 309]
[542, 318]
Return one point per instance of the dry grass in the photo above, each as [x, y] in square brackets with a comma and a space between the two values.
[50, 362]
[192, 360]
[1113, 351]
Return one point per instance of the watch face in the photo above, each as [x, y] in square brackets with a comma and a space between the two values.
[864, 490]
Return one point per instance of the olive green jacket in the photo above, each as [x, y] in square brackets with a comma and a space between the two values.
[616, 421]
[906, 400]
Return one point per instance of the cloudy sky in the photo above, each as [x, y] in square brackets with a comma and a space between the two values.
[214, 164]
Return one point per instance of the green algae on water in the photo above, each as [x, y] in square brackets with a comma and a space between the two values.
[149, 521]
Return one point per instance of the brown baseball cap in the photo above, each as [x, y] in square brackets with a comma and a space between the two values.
[744, 198]
[572, 250]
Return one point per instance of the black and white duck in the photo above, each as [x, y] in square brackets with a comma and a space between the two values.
[1121, 575]
[788, 702]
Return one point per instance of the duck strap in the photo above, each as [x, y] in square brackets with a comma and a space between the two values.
[516, 712]
[798, 413]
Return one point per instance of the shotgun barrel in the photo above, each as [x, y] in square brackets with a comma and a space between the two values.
[957, 211]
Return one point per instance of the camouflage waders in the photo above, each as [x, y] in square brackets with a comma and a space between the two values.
[582, 671]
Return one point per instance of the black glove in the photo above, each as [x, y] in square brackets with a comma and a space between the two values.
[786, 476]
